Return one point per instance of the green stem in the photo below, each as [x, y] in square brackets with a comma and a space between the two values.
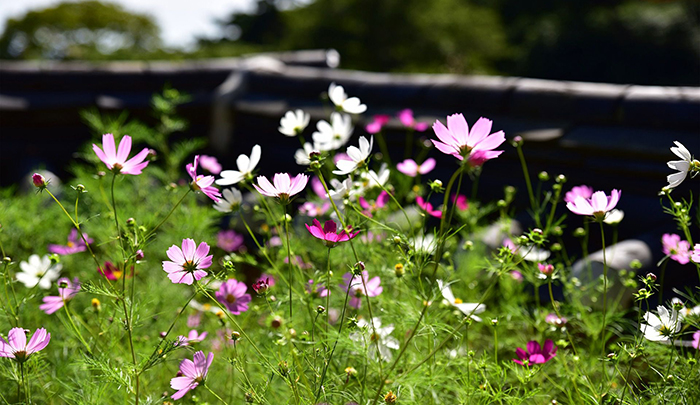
[661, 282]
[605, 298]
[75, 328]
[533, 203]
[152, 231]
[289, 260]
[214, 394]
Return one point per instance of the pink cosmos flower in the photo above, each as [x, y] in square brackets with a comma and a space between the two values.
[192, 337]
[312, 209]
[536, 354]
[377, 123]
[329, 233]
[187, 264]
[428, 207]
[270, 279]
[193, 372]
[458, 141]
[372, 207]
[578, 191]
[284, 186]
[409, 167]
[232, 294]
[406, 118]
[460, 201]
[201, 182]
[112, 272]
[317, 186]
[371, 237]
[229, 240]
[357, 288]
[677, 249]
[16, 347]
[66, 291]
[695, 256]
[194, 320]
[553, 319]
[517, 276]
[316, 291]
[597, 206]
[75, 244]
[545, 269]
[210, 164]
[116, 159]
[696, 339]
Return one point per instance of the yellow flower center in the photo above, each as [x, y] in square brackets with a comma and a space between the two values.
[458, 301]
[230, 298]
[71, 244]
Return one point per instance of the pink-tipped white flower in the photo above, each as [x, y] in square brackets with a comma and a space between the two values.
[357, 157]
[16, 346]
[406, 118]
[202, 183]
[187, 264]
[675, 248]
[245, 165]
[116, 159]
[66, 291]
[350, 105]
[578, 191]
[409, 167]
[193, 373]
[597, 206]
[294, 122]
[284, 186]
[458, 141]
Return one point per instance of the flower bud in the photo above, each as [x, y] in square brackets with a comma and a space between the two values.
[543, 176]
[579, 232]
[130, 222]
[55, 259]
[561, 179]
[320, 309]
[96, 304]
[399, 270]
[39, 181]
[350, 371]
[468, 245]
[80, 188]
[517, 141]
[651, 276]
[358, 268]
[139, 255]
[390, 398]
[235, 336]
[283, 368]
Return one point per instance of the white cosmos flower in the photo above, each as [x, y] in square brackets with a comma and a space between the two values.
[425, 244]
[371, 179]
[230, 201]
[350, 105]
[685, 311]
[357, 157]
[294, 122]
[659, 328]
[245, 164]
[614, 217]
[38, 271]
[466, 308]
[683, 166]
[334, 135]
[340, 189]
[302, 155]
[376, 338]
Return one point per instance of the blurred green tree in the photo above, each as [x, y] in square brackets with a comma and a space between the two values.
[83, 30]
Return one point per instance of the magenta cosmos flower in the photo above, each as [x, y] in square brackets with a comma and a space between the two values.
[201, 182]
[284, 186]
[695, 256]
[16, 346]
[229, 240]
[409, 167]
[329, 233]
[377, 123]
[316, 290]
[193, 372]
[66, 291]
[677, 249]
[536, 354]
[116, 159]
[112, 272]
[232, 294]
[372, 207]
[75, 244]
[597, 206]
[357, 288]
[578, 191]
[458, 141]
[406, 118]
[696, 339]
[187, 264]
[428, 207]
[460, 201]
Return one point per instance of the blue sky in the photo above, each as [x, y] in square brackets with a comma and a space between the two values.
[180, 20]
